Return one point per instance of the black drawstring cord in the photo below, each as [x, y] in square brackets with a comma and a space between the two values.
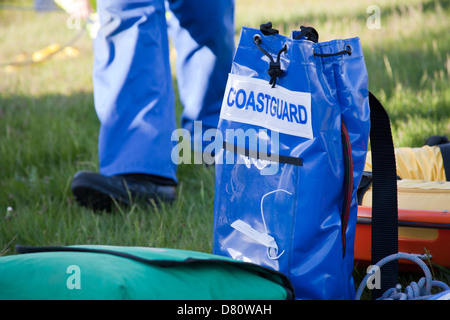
[348, 50]
[274, 66]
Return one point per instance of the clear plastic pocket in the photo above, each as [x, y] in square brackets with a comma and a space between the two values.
[258, 208]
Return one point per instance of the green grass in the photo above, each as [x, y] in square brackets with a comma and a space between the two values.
[49, 129]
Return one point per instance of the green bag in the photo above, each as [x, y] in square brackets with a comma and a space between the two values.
[114, 272]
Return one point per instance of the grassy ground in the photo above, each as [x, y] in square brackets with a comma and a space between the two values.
[49, 129]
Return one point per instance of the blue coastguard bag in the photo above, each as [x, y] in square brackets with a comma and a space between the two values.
[295, 125]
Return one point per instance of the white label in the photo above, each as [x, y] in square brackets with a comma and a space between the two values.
[262, 238]
[254, 101]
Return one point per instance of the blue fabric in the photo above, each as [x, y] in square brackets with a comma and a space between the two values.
[296, 213]
[133, 91]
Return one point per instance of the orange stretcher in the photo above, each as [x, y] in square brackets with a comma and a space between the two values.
[423, 208]
[419, 232]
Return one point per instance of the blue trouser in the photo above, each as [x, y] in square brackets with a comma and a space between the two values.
[133, 90]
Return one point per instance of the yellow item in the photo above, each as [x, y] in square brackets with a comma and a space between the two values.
[70, 52]
[423, 195]
[418, 194]
[423, 163]
[423, 182]
[43, 54]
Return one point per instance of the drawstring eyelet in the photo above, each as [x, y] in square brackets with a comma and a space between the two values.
[349, 49]
[257, 39]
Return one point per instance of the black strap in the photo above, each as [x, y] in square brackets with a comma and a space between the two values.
[445, 152]
[364, 185]
[444, 146]
[436, 140]
[384, 196]
[262, 155]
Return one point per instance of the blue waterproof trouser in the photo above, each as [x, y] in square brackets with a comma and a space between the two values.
[133, 90]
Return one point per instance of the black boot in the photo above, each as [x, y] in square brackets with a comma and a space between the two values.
[99, 192]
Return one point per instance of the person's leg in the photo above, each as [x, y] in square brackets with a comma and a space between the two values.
[134, 101]
[133, 90]
[202, 32]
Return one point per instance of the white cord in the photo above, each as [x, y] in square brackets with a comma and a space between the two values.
[264, 222]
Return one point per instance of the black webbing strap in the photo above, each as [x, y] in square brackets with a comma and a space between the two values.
[445, 152]
[444, 145]
[384, 196]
